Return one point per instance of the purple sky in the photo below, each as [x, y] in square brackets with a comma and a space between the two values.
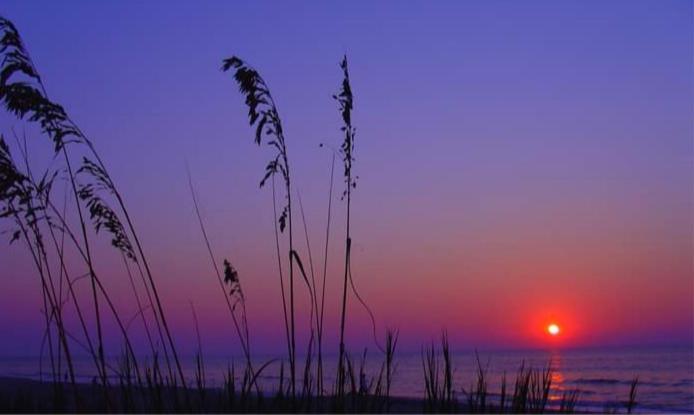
[517, 162]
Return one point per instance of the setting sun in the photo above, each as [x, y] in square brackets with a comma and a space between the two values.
[553, 329]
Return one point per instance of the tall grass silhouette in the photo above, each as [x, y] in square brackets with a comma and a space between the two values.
[263, 114]
[345, 101]
[233, 295]
[23, 94]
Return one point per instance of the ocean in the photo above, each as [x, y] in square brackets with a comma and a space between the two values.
[602, 375]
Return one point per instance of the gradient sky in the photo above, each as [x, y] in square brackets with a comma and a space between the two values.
[518, 162]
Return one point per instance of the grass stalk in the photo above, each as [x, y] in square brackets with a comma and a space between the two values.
[263, 113]
[242, 338]
[325, 273]
[345, 100]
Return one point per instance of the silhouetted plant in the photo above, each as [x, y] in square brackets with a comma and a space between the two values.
[631, 403]
[231, 279]
[18, 196]
[321, 311]
[345, 101]
[15, 191]
[23, 94]
[502, 395]
[477, 395]
[29, 101]
[200, 379]
[438, 378]
[25, 100]
[390, 367]
[314, 320]
[262, 112]
[100, 212]
[568, 402]
[234, 295]
[42, 202]
[531, 391]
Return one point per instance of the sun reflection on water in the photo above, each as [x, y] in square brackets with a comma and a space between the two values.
[557, 386]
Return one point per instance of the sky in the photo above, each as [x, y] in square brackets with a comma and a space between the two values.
[518, 163]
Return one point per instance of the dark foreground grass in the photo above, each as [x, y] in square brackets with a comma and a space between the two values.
[241, 393]
[530, 395]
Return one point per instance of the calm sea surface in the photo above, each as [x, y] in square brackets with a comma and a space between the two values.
[603, 376]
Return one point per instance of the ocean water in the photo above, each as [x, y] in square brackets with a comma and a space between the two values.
[603, 376]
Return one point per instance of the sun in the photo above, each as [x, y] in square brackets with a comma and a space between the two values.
[553, 329]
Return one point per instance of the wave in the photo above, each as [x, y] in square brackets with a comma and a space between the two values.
[611, 381]
[600, 381]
